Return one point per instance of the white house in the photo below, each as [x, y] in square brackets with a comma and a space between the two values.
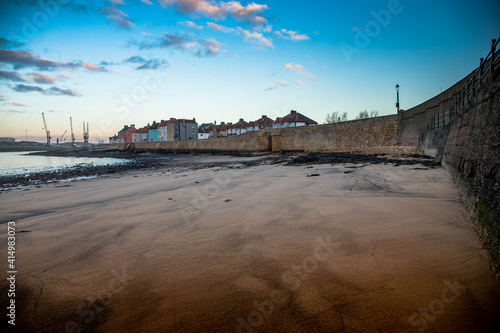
[163, 130]
[294, 119]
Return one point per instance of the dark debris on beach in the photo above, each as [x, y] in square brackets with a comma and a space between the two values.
[360, 158]
[153, 161]
[74, 172]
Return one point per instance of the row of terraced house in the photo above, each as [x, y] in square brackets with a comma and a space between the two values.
[187, 129]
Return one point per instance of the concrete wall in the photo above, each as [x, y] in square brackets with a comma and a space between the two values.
[435, 142]
[472, 156]
[414, 121]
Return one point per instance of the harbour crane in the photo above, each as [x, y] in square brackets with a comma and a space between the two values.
[72, 133]
[85, 133]
[60, 140]
[47, 132]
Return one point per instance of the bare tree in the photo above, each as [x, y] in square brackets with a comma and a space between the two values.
[365, 114]
[336, 117]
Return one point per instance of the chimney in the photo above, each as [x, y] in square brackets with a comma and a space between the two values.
[264, 116]
[133, 125]
[241, 120]
[222, 123]
[293, 112]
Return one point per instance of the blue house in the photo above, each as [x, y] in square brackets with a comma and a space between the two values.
[153, 132]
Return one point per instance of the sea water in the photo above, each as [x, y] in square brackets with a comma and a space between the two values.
[18, 163]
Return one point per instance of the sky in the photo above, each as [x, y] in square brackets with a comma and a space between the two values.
[117, 62]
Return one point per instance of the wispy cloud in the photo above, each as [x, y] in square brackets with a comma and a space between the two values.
[41, 78]
[256, 37]
[220, 28]
[59, 91]
[116, 2]
[12, 112]
[299, 69]
[220, 10]
[144, 64]
[290, 35]
[11, 76]
[24, 88]
[293, 67]
[194, 6]
[147, 2]
[277, 84]
[50, 91]
[181, 42]
[119, 18]
[177, 41]
[92, 67]
[19, 104]
[7, 44]
[23, 59]
[248, 13]
[307, 75]
[300, 83]
[190, 25]
[210, 48]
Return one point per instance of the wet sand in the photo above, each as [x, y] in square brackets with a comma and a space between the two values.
[252, 249]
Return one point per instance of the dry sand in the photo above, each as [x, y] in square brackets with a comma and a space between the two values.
[260, 249]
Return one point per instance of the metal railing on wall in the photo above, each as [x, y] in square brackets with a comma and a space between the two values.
[475, 81]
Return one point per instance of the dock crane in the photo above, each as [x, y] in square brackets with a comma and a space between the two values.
[72, 133]
[47, 132]
[60, 140]
[85, 133]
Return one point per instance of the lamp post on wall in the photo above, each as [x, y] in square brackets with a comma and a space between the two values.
[397, 97]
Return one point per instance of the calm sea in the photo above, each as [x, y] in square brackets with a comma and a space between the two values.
[21, 163]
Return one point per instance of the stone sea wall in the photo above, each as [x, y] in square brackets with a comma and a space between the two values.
[358, 135]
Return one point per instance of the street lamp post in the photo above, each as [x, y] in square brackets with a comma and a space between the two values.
[397, 97]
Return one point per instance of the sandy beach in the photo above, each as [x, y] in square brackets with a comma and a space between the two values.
[270, 248]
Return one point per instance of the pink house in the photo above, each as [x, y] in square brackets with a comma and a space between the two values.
[125, 135]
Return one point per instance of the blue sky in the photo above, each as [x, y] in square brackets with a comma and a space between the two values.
[116, 62]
